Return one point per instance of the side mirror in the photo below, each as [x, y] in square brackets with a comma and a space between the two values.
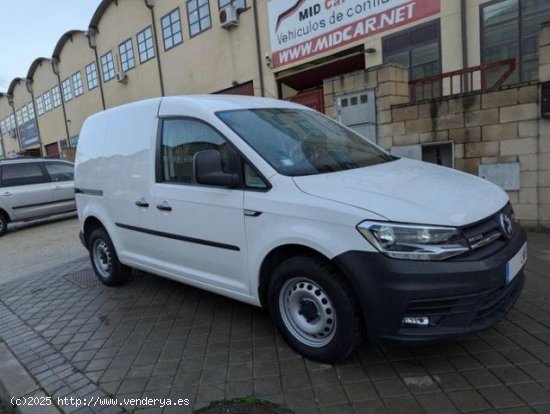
[208, 170]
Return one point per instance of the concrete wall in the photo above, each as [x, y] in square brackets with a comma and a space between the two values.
[74, 57]
[122, 21]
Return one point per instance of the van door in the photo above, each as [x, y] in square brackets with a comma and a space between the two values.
[25, 191]
[202, 226]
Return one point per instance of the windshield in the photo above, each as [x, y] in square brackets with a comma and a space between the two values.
[302, 142]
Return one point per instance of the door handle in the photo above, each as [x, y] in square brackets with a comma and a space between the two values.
[164, 207]
[57, 188]
[142, 203]
[7, 194]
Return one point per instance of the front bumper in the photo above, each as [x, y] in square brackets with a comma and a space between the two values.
[459, 296]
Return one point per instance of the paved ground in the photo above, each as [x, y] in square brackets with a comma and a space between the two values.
[156, 338]
[37, 245]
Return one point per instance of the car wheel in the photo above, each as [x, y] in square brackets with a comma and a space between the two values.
[315, 309]
[105, 261]
[3, 225]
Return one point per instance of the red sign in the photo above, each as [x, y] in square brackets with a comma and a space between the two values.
[369, 24]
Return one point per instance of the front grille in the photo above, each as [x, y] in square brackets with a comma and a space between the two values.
[497, 303]
[467, 311]
[485, 237]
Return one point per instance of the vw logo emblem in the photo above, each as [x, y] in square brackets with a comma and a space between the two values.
[506, 225]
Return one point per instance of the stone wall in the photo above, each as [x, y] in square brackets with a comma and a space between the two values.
[486, 128]
[499, 126]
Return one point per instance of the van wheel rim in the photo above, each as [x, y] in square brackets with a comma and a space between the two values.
[103, 259]
[307, 312]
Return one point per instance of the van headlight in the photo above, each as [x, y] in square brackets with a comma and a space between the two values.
[414, 242]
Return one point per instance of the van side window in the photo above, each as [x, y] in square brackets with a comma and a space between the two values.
[252, 179]
[22, 174]
[59, 171]
[181, 140]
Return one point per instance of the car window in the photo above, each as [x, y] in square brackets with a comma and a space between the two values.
[181, 140]
[60, 171]
[22, 174]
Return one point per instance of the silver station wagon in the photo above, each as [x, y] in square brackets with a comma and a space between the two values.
[33, 188]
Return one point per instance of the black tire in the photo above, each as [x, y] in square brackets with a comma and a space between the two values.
[315, 309]
[3, 224]
[105, 261]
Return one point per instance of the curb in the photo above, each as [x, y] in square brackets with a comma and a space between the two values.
[16, 382]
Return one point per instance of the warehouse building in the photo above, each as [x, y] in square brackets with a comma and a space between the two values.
[370, 63]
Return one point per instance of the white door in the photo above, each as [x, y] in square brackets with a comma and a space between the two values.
[62, 183]
[26, 192]
[202, 226]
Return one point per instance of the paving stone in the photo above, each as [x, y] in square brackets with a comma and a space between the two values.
[360, 391]
[468, 400]
[481, 378]
[531, 392]
[390, 388]
[370, 407]
[510, 374]
[403, 405]
[451, 381]
[436, 403]
[500, 397]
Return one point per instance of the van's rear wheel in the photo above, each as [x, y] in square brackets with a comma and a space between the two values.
[3, 225]
[314, 309]
[105, 261]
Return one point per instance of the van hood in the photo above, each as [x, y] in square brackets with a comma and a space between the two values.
[410, 191]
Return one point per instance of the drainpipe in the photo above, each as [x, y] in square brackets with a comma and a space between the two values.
[91, 35]
[10, 102]
[150, 4]
[258, 47]
[464, 35]
[29, 85]
[2, 144]
[55, 68]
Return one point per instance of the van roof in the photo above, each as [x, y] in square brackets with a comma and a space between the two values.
[22, 160]
[228, 102]
[211, 103]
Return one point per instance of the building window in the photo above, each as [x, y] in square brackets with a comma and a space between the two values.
[145, 45]
[510, 29]
[30, 111]
[127, 60]
[108, 66]
[19, 116]
[11, 122]
[171, 29]
[40, 105]
[47, 101]
[91, 76]
[56, 96]
[416, 48]
[77, 84]
[198, 13]
[67, 90]
[239, 4]
[24, 114]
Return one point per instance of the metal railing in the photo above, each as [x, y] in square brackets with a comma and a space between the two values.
[460, 81]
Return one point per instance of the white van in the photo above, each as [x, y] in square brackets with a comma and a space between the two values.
[276, 205]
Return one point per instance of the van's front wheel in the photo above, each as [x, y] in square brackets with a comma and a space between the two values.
[314, 309]
[105, 261]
